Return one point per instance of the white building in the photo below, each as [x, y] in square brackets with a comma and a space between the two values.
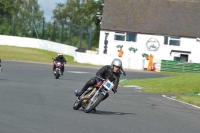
[167, 29]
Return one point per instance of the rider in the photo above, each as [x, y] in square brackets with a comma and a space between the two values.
[61, 59]
[104, 72]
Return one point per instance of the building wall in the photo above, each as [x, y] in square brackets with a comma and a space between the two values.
[163, 53]
[98, 59]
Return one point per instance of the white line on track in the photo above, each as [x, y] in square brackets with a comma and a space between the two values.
[77, 72]
[181, 101]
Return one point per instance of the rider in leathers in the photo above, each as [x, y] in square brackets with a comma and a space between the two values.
[61, 59]
[104, 72]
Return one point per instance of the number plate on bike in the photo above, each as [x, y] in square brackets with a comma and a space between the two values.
[108, 85]
[58, 64]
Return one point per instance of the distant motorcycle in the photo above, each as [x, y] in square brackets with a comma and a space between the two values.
[57, 72]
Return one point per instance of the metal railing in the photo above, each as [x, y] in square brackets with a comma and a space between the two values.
[57, 31]
[174, 66]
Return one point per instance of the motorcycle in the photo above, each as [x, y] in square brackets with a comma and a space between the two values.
[57, 72]
[94, 95]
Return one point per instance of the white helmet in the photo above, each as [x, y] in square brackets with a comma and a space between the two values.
[116, 62]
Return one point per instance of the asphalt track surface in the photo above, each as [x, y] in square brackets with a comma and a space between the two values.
[33, 101]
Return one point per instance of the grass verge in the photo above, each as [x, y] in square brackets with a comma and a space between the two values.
[32, 55]
[190, 99]
[177, 83]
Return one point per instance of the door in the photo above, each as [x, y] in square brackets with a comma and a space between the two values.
[184, 58]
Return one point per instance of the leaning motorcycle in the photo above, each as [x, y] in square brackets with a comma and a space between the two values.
[94, 95]
[57, 72]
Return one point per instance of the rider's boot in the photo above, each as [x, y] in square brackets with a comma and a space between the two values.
[78, 93]
[90, 83]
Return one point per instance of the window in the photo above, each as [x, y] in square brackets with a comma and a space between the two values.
[129, 37]
[166, 39]
[175, 41]
[120, 37]
[176, 58]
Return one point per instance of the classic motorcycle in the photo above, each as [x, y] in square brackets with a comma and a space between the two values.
[94, 95]
[57, 72]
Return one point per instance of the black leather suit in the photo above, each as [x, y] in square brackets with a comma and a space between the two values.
[104, 72]
[60, 59]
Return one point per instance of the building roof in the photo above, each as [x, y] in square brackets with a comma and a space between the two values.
[161, 17]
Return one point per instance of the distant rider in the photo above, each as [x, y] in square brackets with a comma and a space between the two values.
[63, 61]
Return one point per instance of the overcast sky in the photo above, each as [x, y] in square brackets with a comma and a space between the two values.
[47, 6]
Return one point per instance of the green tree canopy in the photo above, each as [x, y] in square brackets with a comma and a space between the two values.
[80, 12]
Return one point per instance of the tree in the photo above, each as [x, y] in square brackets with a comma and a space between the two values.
[22, 15]
[91, 9]
[29, 19]
[82, 15]
[9, 7]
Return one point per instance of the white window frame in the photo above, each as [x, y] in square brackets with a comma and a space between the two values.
[120, 34]
[173, 38]
[124, 34]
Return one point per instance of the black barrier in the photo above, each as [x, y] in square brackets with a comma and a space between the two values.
[83, 50]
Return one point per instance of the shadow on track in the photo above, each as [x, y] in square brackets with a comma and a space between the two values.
[99, 112]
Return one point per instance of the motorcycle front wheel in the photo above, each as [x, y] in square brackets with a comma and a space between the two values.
[77, 105]
[92, 104]
[57, 76]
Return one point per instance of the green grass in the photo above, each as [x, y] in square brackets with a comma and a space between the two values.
[32, 55]
[177, 83]
[190, 99]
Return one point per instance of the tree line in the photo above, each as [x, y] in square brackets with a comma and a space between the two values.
[73, 22]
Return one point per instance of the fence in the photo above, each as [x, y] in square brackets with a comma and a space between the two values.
[61, 32]
[176, 66]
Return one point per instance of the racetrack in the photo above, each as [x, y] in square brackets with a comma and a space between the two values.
[33, 101]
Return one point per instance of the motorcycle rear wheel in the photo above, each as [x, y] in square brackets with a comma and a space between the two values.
[91, 105]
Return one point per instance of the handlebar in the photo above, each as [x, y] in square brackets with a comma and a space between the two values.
[100, 78]
[57, 61]
[123, 72]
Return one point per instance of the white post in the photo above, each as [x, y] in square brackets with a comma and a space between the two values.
[129, 59]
